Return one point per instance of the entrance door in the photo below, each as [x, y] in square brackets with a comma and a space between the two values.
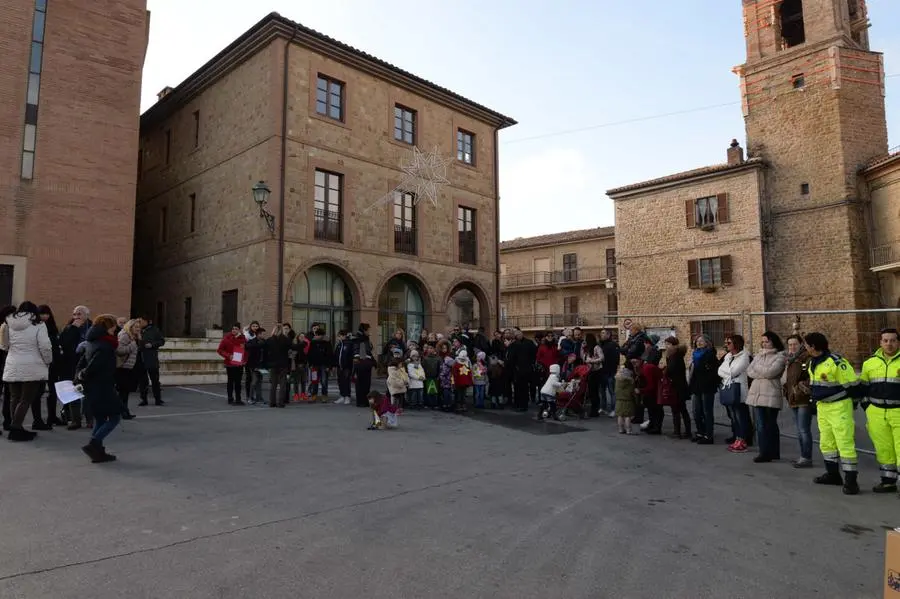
[6, 284]
[229, 308]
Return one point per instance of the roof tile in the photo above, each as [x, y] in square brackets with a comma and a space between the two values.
[555, 238]
[697, 172]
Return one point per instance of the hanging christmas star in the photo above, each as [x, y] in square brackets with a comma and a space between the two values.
[425, 173]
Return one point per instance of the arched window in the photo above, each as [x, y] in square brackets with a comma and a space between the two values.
[400, 306]
[322, 296]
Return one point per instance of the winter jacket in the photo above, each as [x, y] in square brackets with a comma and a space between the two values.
[676, 373]
[594, 359]
[97, 372]
[521, 358]
[393, 345]
[70, 340]
[648, 379]
[300, 349]
[343, 354]
[278, 348]
[634, 347]
[498, 349]
[479, 374]
[795, 379]
[611, 357]
[127, 352]
[231, 345]
[255, 346]
[432, 367]
[152, 336]
[766, 369]
[702, 375]
[553, 384]
[28, 347]
[462, 374]
[652, 354]
[416, 375]
[733, 369]
[547, 355]
[362, 348]
[319, 353]
[397, 380]
[446, 374]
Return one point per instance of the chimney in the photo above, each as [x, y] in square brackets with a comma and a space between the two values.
[735, 153]
[168, 90]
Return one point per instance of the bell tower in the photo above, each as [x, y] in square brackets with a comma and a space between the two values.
[813, 105]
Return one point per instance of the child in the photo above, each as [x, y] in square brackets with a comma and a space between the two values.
[416, 380]
[432, 367]
[462, 379]
[397, 381]
[384, 412]
[568, 367]
[547, 406]
[625, 404]
[480, 379]
[497, 384]
[447, 383]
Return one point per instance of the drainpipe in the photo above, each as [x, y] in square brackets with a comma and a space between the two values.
[497, 223]
[281, 209]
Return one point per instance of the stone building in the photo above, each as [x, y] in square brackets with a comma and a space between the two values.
[560, 280]
[327, 127]
[70, 83]
[784, 230]
[882, 187]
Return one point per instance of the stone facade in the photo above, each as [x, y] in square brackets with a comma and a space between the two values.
[555, 281]
[882, 187]
[66, 229]
[661, 246]
[813, 103]
[223, 127]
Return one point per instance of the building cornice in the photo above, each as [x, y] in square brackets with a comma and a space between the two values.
[274, 26]
[685, 178]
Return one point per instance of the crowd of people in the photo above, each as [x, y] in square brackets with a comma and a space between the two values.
[108, 357]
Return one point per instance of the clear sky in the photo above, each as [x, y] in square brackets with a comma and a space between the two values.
[553, 66]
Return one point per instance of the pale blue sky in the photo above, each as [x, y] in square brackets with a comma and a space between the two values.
[554, 67]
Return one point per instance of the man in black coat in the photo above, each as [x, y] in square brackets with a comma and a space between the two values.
[343, 359]
[151, 340]
[320, 359]
[278, 359]
[521, 358]
[363, 362]
[611, 358]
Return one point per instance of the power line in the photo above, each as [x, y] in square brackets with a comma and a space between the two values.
[635, 120]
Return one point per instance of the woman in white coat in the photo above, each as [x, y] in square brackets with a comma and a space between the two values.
[29, 353]
[733, 372]
[766, 395]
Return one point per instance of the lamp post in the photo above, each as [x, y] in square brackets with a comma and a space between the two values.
[261, 193]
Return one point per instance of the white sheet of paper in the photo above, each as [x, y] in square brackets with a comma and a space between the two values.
[66, 392]
[237, 356]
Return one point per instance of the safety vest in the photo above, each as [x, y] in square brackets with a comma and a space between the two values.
[880, 380]
[832, 379]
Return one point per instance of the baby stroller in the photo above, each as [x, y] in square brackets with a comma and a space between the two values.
[572, 399]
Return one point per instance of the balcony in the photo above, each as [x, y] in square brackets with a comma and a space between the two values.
[539, 322]
[327, 225]
[404, 240]
[886, 257]
[591, 275]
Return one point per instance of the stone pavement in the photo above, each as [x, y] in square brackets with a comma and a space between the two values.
[213, 501]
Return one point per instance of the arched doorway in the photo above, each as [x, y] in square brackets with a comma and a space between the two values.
[400, 306]
[321, 295]
[464, 309]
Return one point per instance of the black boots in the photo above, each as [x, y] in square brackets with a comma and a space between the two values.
[20, 434]
[832, 475]
[887, 485]
[95, 450]
[850, 485]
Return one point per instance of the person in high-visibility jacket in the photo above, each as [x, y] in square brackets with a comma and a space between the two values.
[833, 385]
[880, 386]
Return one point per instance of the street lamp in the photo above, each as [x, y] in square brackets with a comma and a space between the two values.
[609, 284]
[261, 193]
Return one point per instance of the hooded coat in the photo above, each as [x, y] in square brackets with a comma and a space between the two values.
[30, 352]
[766, 370]
[97, 372]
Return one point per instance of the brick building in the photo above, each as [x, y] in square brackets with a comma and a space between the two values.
[327, 127]
[784, 230]
[70, 82]
[560, 280]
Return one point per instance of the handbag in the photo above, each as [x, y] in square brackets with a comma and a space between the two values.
[730, 395]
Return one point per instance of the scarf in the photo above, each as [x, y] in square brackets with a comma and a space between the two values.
[111, 340]
[699, 353]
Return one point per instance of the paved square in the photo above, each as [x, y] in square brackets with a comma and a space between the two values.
[210, 501]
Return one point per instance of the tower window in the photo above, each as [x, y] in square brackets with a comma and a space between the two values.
[804, 189]
[853, 6]
[793, 32]
[798, 81]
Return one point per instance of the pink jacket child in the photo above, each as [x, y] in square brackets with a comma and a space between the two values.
[384, 413]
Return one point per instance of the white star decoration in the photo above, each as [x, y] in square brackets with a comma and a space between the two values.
[425, 173]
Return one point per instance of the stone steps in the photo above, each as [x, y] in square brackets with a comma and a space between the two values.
[191, 361]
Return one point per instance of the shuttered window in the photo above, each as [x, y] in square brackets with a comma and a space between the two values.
[709, 272]
[707, 211]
